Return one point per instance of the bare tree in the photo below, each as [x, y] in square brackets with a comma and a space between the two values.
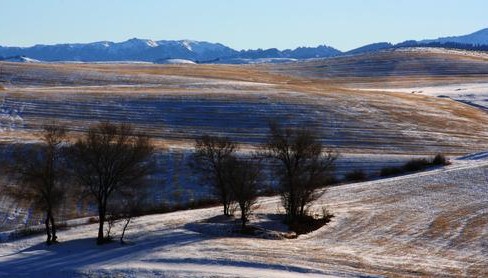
[211, 154]
[109, 159]
[244, 178]
[41, 170]
[132, 209]
[301, 164]
[129, 204]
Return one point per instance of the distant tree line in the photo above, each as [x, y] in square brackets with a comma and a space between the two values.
[453, 45]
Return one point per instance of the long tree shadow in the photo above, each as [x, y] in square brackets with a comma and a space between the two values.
[268, 226]
[259, 266]
[81, 253]
[243, 264]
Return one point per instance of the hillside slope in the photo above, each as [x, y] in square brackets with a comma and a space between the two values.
[370, 123]
[427, 224]
[175, 102]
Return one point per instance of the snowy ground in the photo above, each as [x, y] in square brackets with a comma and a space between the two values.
[428, 224]
[475, 94]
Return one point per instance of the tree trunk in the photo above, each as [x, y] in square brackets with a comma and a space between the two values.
[48, 230]
[53, 229]
[101, 218]
[226, 208]
[123, 230]
[243, 218]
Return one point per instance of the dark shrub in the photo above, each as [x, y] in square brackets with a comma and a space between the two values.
[440, 159]
[308, 223]
[93, 220]
[356, 175]
[268, 191]
[416, 165]
[391, 171]
[332, 180]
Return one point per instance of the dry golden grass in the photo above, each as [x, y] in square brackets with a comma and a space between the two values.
[453, 126]
[447, 223]
[473, 229]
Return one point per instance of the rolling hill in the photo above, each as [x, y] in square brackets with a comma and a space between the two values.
[422, 225]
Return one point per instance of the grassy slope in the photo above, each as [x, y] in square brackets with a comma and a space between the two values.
[175, 102]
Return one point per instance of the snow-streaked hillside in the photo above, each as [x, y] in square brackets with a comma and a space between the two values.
[427, 224]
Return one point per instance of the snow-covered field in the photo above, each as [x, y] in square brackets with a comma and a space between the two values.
[475, 94]
[428, 224]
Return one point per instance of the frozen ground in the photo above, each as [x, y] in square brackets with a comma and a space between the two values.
[428, 224]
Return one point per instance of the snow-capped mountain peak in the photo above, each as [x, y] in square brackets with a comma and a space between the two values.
[136, 43]
[151, 43]
[187, 44]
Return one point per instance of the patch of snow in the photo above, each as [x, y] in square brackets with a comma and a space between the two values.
[187, 44]
[175, 61]
[20, 59]
[475, 156]
[152, 43]
[475, 94]
[257, 61]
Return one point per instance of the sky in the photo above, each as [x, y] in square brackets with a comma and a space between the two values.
[245, 24]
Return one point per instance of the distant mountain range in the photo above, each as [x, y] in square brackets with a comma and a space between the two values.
[474, 41]
[477, 38]
[165, 51]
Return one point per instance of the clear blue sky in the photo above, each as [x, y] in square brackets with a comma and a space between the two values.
[344, 24]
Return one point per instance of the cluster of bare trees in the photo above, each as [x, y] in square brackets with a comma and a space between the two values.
[108, 161]
[110, 164]
[300, 164]
[234, 178]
